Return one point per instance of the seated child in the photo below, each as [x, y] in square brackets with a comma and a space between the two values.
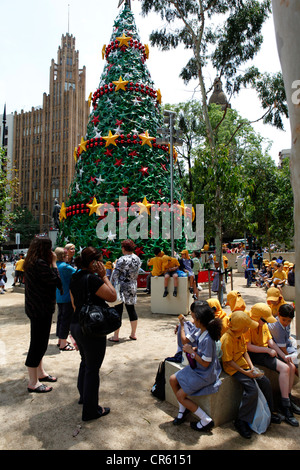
[203, 377]
[236, 301]
[186, 265]
[279, 277]
[237, 363]
[189, 330]
[264, 351]
[291, 275]
[267, 278]
[219, 313]
[280, 332]
[274, 300]
[156, 262]
[169, 267]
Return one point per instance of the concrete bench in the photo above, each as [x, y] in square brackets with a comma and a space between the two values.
[222, 406]
[170, 305]
[288, 293]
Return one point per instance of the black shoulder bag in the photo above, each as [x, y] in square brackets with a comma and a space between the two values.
[97, 320]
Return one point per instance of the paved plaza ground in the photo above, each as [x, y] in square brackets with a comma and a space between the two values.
[137, 420]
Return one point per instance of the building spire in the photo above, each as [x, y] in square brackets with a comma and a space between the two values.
[68, 18]
[127, 2]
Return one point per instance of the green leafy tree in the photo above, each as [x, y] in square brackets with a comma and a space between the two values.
[9, 186]
[226, 34]
[24, 223]
[222, 183]
[119, 155]
[283, 207]
[270, 214]
[190, 122]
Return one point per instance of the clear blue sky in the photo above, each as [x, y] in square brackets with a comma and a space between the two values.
[31, 33]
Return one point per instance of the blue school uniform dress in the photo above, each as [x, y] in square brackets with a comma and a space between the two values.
[281, 336]
[189, 330]
[202, 380]
[188, 265]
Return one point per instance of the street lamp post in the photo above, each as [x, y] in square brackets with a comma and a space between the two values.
[169, 136]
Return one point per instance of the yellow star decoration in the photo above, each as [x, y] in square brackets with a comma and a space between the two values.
[110, 139]
[82, 146]
[63, 212]
[183, 210]
[94, 206]
[146, 138]
[123, 41]
[158, 93]
[75, 154]
[120, 84]
[103, 51]
[144, 206]
[147, 51]
[90, 99]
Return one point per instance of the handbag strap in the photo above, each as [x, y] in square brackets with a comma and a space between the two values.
[88, 296]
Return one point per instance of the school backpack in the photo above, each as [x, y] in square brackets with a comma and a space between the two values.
[158, 389]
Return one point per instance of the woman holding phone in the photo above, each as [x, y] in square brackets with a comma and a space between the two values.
[90, 278]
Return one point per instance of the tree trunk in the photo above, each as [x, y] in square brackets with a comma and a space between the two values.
[286, 14]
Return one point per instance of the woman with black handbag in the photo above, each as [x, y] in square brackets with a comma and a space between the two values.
[90, 280]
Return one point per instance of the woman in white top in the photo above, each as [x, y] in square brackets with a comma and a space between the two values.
[125, 275]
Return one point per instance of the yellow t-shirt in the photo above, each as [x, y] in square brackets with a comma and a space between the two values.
[275, 307]
[280, 275]
[156, 262]
[233, 348]
[19, 265]
[168, 262]
[259, 336]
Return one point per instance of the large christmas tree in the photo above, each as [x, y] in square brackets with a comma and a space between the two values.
[121, 172]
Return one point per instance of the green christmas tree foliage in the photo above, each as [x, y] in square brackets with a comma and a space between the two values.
[119, 156]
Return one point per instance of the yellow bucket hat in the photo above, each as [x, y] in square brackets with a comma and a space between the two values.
[273, 294]
[185, 252]
[261, 310]
[235, 301]
[214, 303]
[240, 320]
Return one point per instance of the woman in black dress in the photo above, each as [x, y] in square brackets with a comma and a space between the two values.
[41, 281]
[91, 277]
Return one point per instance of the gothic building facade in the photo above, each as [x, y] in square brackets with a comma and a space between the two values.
[45, 137]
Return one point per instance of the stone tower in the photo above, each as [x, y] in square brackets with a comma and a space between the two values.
[45, 137]
[218, 96]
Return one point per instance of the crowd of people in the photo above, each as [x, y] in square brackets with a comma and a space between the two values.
[212, 341]
[57, 278]
[238, 343]
[179, 265]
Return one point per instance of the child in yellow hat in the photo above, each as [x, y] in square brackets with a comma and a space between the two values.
[264, 351]
[219, 313]
[186, 265]
[274, 300]
[236, 301]
[237, 363]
